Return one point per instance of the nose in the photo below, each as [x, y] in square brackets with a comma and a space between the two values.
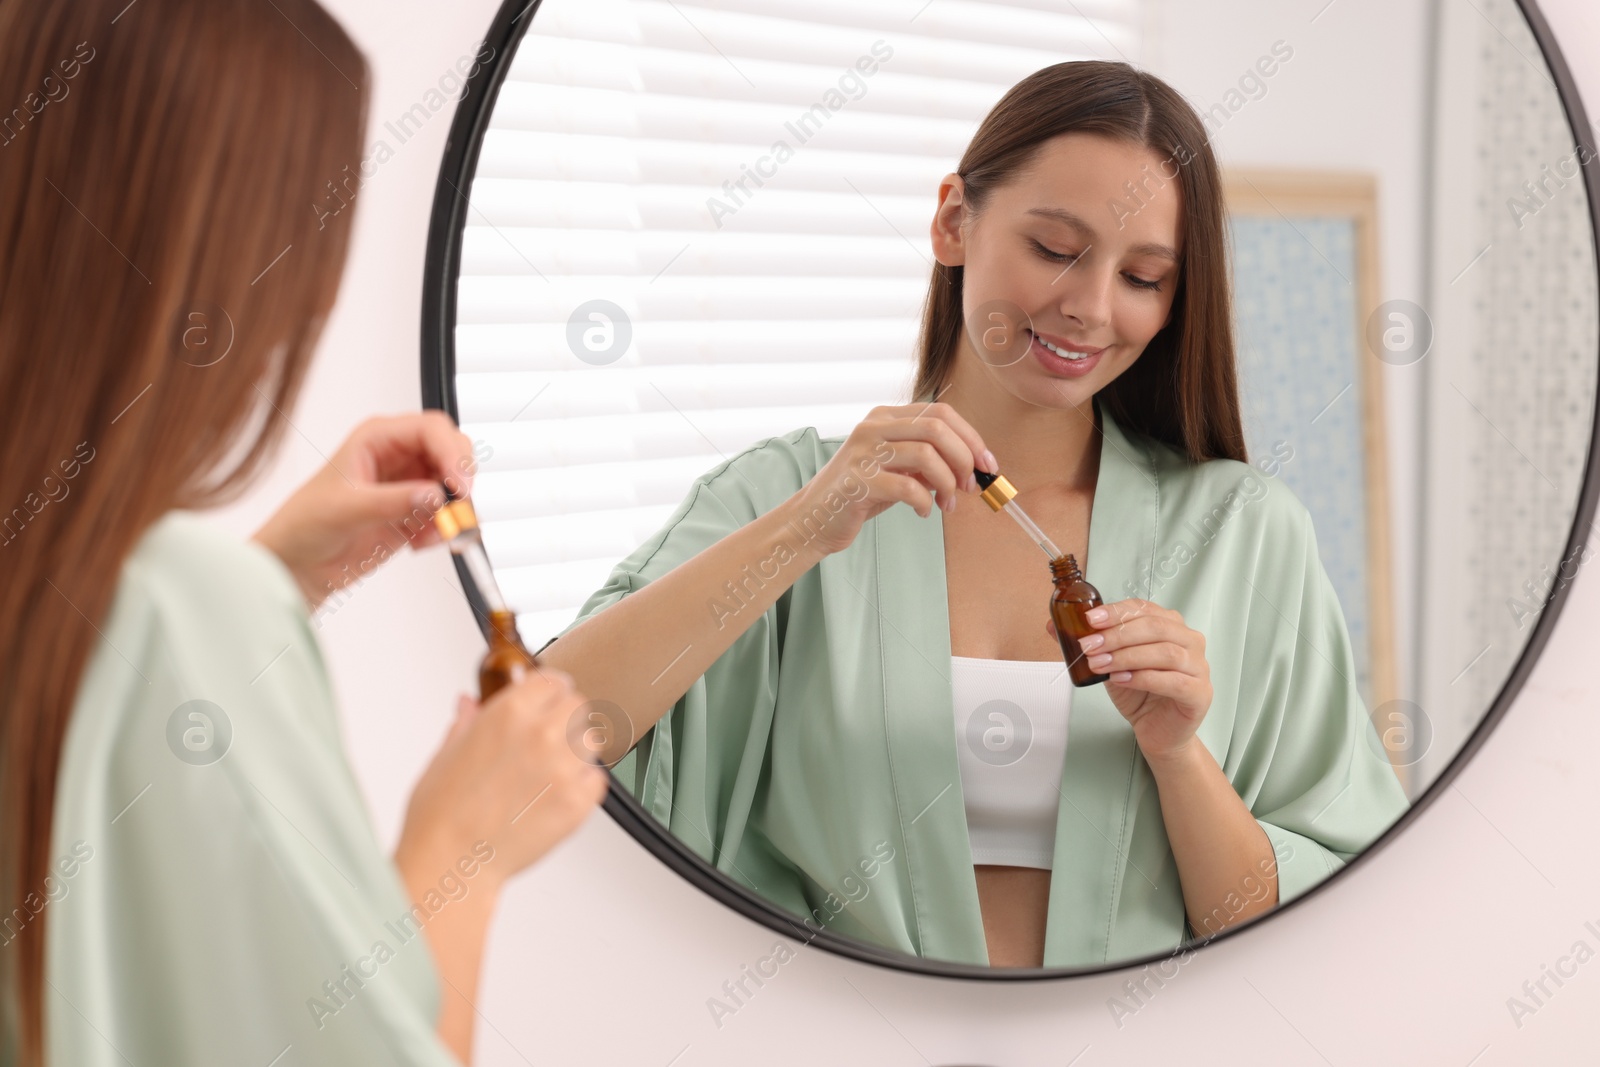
[1087, 297]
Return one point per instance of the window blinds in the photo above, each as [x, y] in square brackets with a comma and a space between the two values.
[611, 171]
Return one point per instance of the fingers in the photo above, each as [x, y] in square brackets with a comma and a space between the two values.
[1123, 610]
[1115, 612]
[466, 712]
[1185, 690]
[537, 720]
[930, 416]
[551, 684]
[418, 445]
[1162, 656]
[551, 711]
[1120, 625]
[1130, 624]
[577, 781]
[530, 694]
[905, 488]
[1136, 630]
[414, 501]
[508, 774]
[934, 447]
[1144, 646]
[926, 465]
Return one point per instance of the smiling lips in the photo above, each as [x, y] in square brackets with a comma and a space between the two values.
[1062, 360]
[1066, 349]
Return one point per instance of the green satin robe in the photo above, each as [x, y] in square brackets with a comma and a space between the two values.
[217, 894]
[815, 761]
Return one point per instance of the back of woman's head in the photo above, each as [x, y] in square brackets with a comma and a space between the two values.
[167, 257]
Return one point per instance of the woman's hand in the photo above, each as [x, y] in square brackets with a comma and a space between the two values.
[375, 495]
[1161, 684]
[507, 775]
[1160, 680]
[505, 786]
[916, 453]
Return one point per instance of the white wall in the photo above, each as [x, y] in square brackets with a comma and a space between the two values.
[602, 956]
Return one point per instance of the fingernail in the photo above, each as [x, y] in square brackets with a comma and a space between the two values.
[423, 498]
[1122, 676]
[948, 503]
[1097, 615]
[1092, 642]
[989, 462]
[972, 483]
[1100, 661]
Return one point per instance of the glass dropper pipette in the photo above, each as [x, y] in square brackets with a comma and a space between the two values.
[508, 659]
[1000, 495]
[457, 524]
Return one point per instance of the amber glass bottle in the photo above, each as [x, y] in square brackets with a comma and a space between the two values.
[1071, 601]
[507, 659]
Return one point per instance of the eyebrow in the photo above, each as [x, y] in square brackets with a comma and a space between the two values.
[1079, 223]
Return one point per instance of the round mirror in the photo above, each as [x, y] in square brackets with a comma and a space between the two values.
[1284, 328]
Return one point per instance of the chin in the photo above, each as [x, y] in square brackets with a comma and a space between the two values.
[1048, 392]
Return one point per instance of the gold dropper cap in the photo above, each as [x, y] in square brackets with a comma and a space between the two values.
[997, 491]
[455, 516]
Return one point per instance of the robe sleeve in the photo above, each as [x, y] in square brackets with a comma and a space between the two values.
[217, 894]
[1305, 756]
[697, 769]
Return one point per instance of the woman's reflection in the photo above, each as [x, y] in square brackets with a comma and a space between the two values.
[822, 684]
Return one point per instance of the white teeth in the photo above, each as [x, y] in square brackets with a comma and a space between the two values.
[1063, 353]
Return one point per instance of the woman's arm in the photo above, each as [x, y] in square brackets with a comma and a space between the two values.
[1221, 850]
[456, 935]
[643, 652]
[502, 790]
[1161, 683]
[375, 496]
[505, 786]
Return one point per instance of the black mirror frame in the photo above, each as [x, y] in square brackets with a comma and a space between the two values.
[440, 276]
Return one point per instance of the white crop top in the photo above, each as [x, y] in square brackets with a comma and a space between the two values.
[1011, 743]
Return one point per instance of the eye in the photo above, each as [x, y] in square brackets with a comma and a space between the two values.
[1064, 257]
[1054, 257]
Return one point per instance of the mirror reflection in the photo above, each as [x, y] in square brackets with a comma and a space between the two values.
[1296, 368]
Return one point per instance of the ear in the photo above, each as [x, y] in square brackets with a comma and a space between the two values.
[949, 247]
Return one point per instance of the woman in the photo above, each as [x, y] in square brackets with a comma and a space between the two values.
[792, 668]
[187, 873]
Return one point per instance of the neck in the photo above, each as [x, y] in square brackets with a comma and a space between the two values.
[1038, 447]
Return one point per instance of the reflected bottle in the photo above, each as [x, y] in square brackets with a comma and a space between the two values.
[1071, 601]
[507, 659]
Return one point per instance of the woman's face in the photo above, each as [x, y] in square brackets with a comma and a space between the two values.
[1080, 250]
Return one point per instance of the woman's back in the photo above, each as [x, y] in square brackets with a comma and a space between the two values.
[220, 851]
[195, 876]
[139, 213]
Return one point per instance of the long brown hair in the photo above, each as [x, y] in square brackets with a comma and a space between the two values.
[166, 263]
[1183, 389]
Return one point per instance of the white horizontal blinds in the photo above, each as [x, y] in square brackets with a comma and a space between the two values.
[791, 302]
